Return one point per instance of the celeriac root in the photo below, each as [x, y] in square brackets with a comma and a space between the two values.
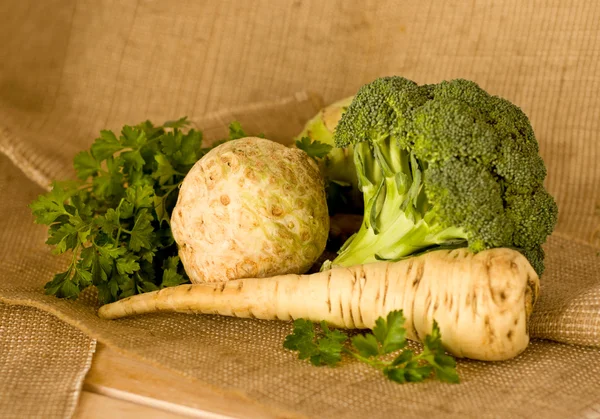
[482, 302]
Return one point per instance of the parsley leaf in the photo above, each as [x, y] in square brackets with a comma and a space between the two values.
[329, 346]
[48, 208]
[302, 339]
[85, 165]
[388, 336]
[171, 277]
[390, 333]
[314, 149]
[236, 131]
[114, 219]
[444, 366]
[180, 123]
[366, 345]
[106, 145]
[62, 286]
[142, 233]
[164, 171]
[323, 348]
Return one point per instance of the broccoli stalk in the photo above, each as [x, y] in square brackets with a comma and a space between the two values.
[444, 165]
[395, 202]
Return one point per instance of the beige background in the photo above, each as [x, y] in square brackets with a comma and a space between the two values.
[70, 68]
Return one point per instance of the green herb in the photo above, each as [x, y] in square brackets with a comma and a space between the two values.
[376, 349]
[115, 218]
[314, 149]
[324, 348]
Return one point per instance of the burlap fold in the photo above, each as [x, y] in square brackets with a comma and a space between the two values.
[73, 68]
[42, 359]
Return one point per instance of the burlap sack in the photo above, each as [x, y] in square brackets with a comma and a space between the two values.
[73, 68]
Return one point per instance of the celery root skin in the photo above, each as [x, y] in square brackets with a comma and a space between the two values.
[481, 302]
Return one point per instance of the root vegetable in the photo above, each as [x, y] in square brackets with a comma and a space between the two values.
[250, 208]
[481, 302]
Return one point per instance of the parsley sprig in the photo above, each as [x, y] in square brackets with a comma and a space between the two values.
[115, 218]
[325, 347]
[315, 149]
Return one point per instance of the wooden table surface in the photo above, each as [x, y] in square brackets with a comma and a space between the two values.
[121, 387]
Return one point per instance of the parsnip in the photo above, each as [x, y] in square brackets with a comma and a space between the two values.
[481, 302]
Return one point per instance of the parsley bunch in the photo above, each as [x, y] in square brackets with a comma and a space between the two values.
[115, 218]
[375, 349]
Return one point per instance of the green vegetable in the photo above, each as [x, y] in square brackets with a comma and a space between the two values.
[443, 165]
[388, 336]
[314, 149]
[321, 349]
[115, 218]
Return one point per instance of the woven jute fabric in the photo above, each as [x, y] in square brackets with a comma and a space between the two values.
[71, 68]
[43, 362]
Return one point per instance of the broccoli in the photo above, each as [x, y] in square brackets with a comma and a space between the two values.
[443, 165]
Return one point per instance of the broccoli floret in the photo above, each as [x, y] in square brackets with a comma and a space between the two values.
[443, 165]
